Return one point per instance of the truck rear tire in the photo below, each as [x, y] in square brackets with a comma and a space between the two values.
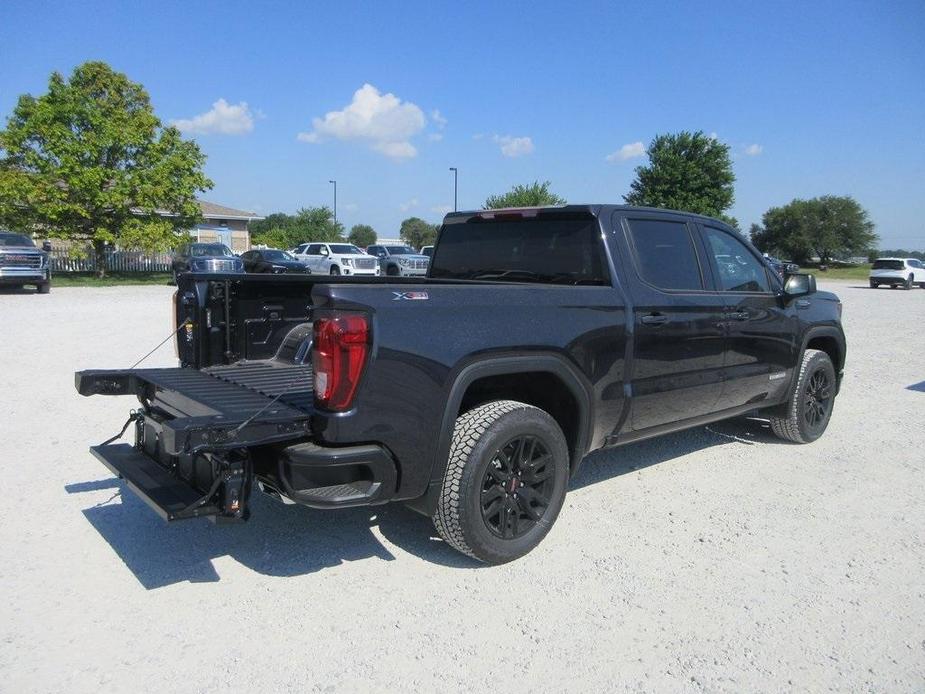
[505, 481]
[43, 287]
[804, 417]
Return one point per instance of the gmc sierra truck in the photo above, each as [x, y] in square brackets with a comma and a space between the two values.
[473, 395]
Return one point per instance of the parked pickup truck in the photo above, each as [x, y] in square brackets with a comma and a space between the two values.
[22, 263]
[474, 394]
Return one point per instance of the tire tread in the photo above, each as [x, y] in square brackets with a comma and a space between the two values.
[786, 423]
[469, 428]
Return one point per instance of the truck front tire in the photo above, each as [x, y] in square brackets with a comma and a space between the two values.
[43, 287]
[505, 481]
[804, 417]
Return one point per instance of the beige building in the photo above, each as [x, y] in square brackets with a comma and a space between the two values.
[225, 225]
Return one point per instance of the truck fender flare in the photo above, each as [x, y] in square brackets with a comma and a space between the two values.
[821, 331]
[825, 331]
[468, 373]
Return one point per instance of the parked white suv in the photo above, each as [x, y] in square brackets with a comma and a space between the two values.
[336, 259]
[897, 272]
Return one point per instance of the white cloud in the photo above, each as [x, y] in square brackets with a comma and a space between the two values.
[628, 151]
[438, 118]
[514, 146]
[383, 120]
[405, 206]
[713, 136]
[349, 207]
[478, 136]
[441, 209]
[754, 150]
[435, 137]
[222, 119]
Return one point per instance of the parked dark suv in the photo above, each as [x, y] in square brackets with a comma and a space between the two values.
[206, 257]
[22, 263]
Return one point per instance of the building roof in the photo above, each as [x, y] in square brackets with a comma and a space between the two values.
[212, 210]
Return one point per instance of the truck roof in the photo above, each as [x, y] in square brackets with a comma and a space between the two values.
[590, 210]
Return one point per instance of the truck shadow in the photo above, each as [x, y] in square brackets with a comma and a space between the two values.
[282, 540]
[613, 462]
[279, 540]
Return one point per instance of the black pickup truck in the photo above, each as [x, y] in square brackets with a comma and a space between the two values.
[538, 336]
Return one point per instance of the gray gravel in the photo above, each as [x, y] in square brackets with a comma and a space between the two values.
[717, 559]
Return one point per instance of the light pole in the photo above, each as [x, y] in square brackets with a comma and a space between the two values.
[335, 201]
[455, 185]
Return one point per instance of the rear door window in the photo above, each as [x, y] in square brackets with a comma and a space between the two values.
[738, 268]
[665, 255]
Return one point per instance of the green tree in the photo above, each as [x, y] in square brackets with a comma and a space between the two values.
[691, 172]
[288, 231]
[534, 195]
[828, 227]
[89, 161]
[417, 233]
[362, 235]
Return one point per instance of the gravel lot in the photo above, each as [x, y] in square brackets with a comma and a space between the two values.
[717, 559]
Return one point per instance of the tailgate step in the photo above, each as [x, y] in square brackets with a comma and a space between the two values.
[170, 497]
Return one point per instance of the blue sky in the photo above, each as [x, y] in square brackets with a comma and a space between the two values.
[813, 98]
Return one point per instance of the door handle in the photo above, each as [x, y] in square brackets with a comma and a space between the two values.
[737, 315]
[655, 319]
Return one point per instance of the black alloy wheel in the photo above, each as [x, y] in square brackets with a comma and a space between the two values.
[516, 487]
[817, 403]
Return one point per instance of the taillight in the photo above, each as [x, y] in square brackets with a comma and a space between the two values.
[339, 351]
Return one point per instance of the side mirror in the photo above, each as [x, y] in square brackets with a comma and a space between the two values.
[799, 285]
[46, 246]
[380, 254]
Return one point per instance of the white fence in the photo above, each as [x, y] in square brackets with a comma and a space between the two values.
[63, 260]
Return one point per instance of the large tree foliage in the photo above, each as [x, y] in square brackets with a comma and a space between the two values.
[280, 230]
[687, 171]
[829, 227]
[417, 233]
[89, 161]
[362, 235]
[534, 195]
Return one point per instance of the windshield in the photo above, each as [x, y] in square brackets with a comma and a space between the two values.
[887, 265]
[277, 255]
[401, 250]
[345, 249]
[7, 239]
[546, 250]
[202, 250]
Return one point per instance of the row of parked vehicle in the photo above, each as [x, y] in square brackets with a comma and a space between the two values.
[309, 258]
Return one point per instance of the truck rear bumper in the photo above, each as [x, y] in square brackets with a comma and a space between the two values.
[322, 477]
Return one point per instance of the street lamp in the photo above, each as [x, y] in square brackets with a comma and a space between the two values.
[335, 201]
[455, 185]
